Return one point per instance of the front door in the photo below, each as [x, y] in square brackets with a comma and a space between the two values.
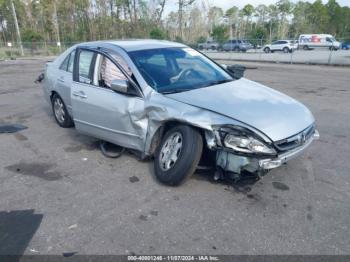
[101, 112]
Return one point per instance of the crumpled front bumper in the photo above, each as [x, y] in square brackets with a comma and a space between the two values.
[234, 163]
[283, 158]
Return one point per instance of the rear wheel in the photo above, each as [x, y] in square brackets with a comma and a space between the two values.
[60, 112]
[178, 155]
[305, 47]
[267, 50]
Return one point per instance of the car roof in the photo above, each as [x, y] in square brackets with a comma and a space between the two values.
[135, 44]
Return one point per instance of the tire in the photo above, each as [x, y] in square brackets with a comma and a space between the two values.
[286, 50]
[267, 50]
[305, 47]
[213, 48]
[60, 112]
[186, 157]
[200, 47]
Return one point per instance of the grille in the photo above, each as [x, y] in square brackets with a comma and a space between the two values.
[296, 140]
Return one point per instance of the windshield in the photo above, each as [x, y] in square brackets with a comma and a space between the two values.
[170, 70]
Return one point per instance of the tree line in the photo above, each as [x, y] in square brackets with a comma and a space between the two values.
[189, 21]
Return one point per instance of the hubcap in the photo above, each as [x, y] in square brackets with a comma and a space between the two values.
[170, 151]
[59, 110]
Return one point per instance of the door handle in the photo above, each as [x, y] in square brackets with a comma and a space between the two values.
[80, 94]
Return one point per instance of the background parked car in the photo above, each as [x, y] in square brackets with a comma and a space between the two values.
[209, 45]
[237, 45]
[345, 45]
[287, 46]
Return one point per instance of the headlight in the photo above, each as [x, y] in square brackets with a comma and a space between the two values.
[247, 144]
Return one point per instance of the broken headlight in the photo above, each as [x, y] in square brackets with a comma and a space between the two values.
[247, 145]
[244, 141]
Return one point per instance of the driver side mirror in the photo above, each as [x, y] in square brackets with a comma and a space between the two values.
[120, 86]
[236, 71]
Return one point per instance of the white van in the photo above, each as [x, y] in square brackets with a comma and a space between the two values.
[311, 41]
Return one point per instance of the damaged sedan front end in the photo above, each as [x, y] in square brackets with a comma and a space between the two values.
[245, 151]
[172, 103]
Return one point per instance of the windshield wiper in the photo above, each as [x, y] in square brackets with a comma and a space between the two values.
[172, 91]
[219, 82]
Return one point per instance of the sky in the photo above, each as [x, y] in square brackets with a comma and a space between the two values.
[225, 4]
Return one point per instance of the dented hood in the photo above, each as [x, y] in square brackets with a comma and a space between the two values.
[276, 115]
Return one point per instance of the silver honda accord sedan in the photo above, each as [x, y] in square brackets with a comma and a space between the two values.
[169, 101]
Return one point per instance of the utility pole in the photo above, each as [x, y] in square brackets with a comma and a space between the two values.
[42, 22]
[17, 27]
[56, 25]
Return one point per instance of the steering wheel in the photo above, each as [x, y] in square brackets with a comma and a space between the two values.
[149, 77]
[183, 73]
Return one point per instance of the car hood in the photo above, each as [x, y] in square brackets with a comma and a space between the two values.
[276, 115]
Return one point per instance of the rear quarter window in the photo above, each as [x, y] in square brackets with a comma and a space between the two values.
[64, 64]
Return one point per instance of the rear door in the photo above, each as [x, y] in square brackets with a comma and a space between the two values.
[101, 112]
[64, 80]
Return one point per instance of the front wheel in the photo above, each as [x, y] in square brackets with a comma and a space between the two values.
[178, 155]
[286, 50]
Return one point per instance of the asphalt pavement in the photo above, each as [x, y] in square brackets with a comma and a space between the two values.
[59, 194]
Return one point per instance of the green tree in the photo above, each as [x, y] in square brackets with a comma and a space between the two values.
[335, 17]
[247, 11]
[284, 8]
[30, 35]
[220, 33]
[318, 18]
[157, 33]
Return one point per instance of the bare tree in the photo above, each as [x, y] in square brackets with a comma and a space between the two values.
[182, 4]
